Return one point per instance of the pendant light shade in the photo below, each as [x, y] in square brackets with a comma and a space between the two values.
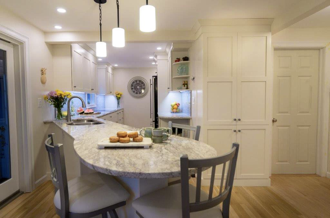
[118, 37]
[147, 18]
[101, 49]
[118, 34]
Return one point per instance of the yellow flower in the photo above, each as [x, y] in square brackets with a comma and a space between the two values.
[45, 97]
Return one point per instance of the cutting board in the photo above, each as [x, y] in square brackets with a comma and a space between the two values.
[105, 143]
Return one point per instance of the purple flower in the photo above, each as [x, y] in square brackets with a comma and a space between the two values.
[52, 94]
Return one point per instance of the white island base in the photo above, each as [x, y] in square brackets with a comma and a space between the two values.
[136, 187]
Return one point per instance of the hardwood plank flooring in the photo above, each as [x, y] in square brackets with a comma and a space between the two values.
[290, 196]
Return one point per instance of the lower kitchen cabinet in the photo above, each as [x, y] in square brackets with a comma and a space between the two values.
[116, 117]
[253, 168]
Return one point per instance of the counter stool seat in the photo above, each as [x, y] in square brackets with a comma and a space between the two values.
[92, 192]
[166, 203]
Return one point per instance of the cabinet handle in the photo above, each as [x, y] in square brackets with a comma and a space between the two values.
[234, 119]
[239, 130]
[239, 119]
[92, 89]
[234, 130]
[74, 86]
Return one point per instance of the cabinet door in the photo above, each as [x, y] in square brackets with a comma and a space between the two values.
[254, 153]
[111, 84]
[102, 81]
[221, 139]
[77, 79]
[254, 97]
[86, 74]
[220, 61]
[93, 77]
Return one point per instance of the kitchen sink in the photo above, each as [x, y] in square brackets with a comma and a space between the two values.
[82, 122]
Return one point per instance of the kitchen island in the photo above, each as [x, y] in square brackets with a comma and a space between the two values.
[141, 170]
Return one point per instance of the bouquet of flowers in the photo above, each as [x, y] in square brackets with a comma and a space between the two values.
[58, 99]
[118, 96]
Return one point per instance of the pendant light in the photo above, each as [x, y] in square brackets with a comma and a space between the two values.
[101, 47]
[118, 34]
[147, 18]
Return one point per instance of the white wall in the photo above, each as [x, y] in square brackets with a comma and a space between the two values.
[136, 110]
[40, 56]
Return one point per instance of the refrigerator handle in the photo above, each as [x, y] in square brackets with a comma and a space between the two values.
[150, 97]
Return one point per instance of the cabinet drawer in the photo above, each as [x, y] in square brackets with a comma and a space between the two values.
[120, 115]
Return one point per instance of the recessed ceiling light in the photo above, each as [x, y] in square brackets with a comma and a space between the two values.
[153, 63]
[159, 48]
[57, 27]
[151, 57]
[100, 59]
[116, 65]
[61, 10]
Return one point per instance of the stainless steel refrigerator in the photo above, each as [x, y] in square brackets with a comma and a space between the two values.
[154, 102]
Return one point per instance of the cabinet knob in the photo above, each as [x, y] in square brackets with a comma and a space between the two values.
[234, 119]
[92, 89]
[74, 86]
[239, 130]
[239, 119]
[234, 130]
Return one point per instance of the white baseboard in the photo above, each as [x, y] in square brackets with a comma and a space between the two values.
[242, 182]
[328, 175]
[42, 180]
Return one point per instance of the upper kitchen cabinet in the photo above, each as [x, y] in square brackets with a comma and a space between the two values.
[75, 69]
[105, 80]
[237, 79]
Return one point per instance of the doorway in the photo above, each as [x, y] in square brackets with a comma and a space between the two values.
[295, 109]
[9, 181]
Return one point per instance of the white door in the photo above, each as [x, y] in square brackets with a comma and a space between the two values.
[9, 181]
[295, 111]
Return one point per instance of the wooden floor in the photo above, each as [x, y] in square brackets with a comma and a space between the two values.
[289, 196]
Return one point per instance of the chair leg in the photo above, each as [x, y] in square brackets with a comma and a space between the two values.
[105, 215]
[113, 214]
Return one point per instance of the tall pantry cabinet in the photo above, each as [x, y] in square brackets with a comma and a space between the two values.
[237, 97]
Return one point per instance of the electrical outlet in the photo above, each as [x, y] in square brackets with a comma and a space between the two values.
[39, 102]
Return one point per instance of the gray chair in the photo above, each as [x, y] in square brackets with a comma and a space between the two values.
[186, 130]
[185, 200]
[85, 196]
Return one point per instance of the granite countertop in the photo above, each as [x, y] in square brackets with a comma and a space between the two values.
[100, 113]
[160, 161]
[174, 116]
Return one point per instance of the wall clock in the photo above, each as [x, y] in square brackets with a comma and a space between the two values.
[138, 87]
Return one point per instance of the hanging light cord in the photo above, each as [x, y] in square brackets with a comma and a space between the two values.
[117, 13]
[100, 8]
[147, 2]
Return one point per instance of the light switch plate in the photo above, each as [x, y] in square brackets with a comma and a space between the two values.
[39, 102]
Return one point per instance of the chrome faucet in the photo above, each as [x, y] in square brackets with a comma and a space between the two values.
[68, 117]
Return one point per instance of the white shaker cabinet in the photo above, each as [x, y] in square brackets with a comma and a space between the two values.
[237, 98]
[105, 80]
[75, 69]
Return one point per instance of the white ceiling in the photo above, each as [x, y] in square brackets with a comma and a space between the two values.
[82, 15]
[318, 20]
[132, 55]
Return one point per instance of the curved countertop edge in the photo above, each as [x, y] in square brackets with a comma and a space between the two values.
[119, 173]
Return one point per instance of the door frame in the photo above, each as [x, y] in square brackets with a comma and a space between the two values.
[322, 128]
[24, 120]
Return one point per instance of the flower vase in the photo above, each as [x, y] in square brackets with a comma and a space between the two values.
[59, 115]
[118, 104]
